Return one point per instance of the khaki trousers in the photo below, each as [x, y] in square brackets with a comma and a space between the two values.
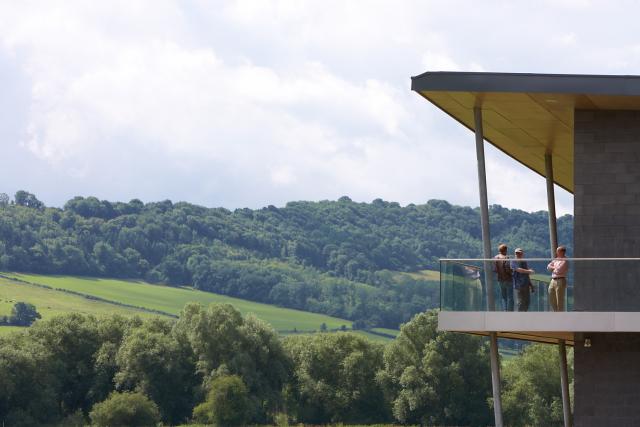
[557, 289]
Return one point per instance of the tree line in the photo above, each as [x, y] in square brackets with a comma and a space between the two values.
[340, 258]
[214, 366]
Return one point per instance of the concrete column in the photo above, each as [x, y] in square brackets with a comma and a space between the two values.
[553, 240]
[486, 246]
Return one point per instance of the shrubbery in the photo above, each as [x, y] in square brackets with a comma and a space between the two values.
[125, 409]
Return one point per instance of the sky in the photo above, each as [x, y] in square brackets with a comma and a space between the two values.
[252, 103]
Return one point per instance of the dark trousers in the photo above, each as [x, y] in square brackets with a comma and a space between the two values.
[506, 292]
[523, 298]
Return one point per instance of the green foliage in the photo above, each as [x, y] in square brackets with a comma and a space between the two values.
[23, 198]
[236, 370]
[224, 343]
[151, 360]
[437, 378]
[227, 403]
[531, 387]
[327, 257]
[125, 409]
[334, 379]
[23, 314]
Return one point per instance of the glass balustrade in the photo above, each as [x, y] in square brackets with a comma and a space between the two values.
[466, 286]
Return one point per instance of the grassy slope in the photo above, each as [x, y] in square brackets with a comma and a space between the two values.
[171, 300]
[50, 303]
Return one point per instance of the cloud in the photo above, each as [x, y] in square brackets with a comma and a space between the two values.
[250, 103]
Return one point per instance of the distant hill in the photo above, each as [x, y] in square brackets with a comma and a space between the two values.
[340, 258]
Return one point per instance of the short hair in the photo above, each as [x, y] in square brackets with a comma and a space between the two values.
[502, 248]
[562, 249]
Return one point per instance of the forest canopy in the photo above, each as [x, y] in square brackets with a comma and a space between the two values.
[341, 258]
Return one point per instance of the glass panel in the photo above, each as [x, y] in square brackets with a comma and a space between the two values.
[464, 287]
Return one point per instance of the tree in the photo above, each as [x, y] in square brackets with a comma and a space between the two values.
[26, 199]
[4, 200]
[151, 360]
[531, 392]
[227, 403]
[437, 378]
[334, 379]
[28, 385]
[23, 314]
[125, 409]
[225, 343]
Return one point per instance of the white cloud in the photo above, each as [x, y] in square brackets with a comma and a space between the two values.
[250, 103]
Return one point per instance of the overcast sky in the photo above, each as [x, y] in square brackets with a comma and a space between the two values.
[250, 103]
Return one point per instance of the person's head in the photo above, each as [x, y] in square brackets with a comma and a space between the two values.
[519, 253]
[561, 251]
[502, 249]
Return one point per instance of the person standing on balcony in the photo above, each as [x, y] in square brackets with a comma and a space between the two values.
[505, 277]
[521, 280]
[559, 268]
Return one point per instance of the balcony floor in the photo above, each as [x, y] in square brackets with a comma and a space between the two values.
[548, 327]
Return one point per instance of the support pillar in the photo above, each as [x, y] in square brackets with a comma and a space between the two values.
[553, 240]
[551, 203]
[484, 209]
[488, 276]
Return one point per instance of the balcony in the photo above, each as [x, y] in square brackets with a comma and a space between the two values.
[467, 303]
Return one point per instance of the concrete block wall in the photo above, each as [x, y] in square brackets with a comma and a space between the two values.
[607, 224]
[607, 381]
[607, 209]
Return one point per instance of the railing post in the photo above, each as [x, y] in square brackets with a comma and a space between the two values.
[486, 249]
[553, 240]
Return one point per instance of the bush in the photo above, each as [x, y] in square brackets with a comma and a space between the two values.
[125, 409]
[227, 403]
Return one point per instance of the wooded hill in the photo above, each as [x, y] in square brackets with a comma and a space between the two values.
[341, 258]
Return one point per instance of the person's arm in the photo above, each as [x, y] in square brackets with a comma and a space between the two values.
[525, 270]
[562, 267]
[551, 265]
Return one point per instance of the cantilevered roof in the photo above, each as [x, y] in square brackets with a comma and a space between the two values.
[526, 115]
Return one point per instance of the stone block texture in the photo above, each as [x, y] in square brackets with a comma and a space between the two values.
[607, 224]
[607, 209]
[607, 381]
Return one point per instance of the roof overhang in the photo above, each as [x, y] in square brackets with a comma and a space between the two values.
[528, 115]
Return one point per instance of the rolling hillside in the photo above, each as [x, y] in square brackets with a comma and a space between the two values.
[339, 258]
[165, 299]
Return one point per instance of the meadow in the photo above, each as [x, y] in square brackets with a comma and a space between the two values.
[166, 299]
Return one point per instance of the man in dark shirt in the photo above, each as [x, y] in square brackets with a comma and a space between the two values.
[505, 277]
[521, 281]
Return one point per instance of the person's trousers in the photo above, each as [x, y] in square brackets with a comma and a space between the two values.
[506, 292]
[557, 290]
[523, 298]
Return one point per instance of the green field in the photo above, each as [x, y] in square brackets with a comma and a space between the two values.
[393, 332]
[156, 297]
[50, 303]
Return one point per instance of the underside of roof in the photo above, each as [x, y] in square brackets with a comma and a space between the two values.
[528, 115]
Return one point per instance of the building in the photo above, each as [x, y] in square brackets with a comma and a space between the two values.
[581, 132]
